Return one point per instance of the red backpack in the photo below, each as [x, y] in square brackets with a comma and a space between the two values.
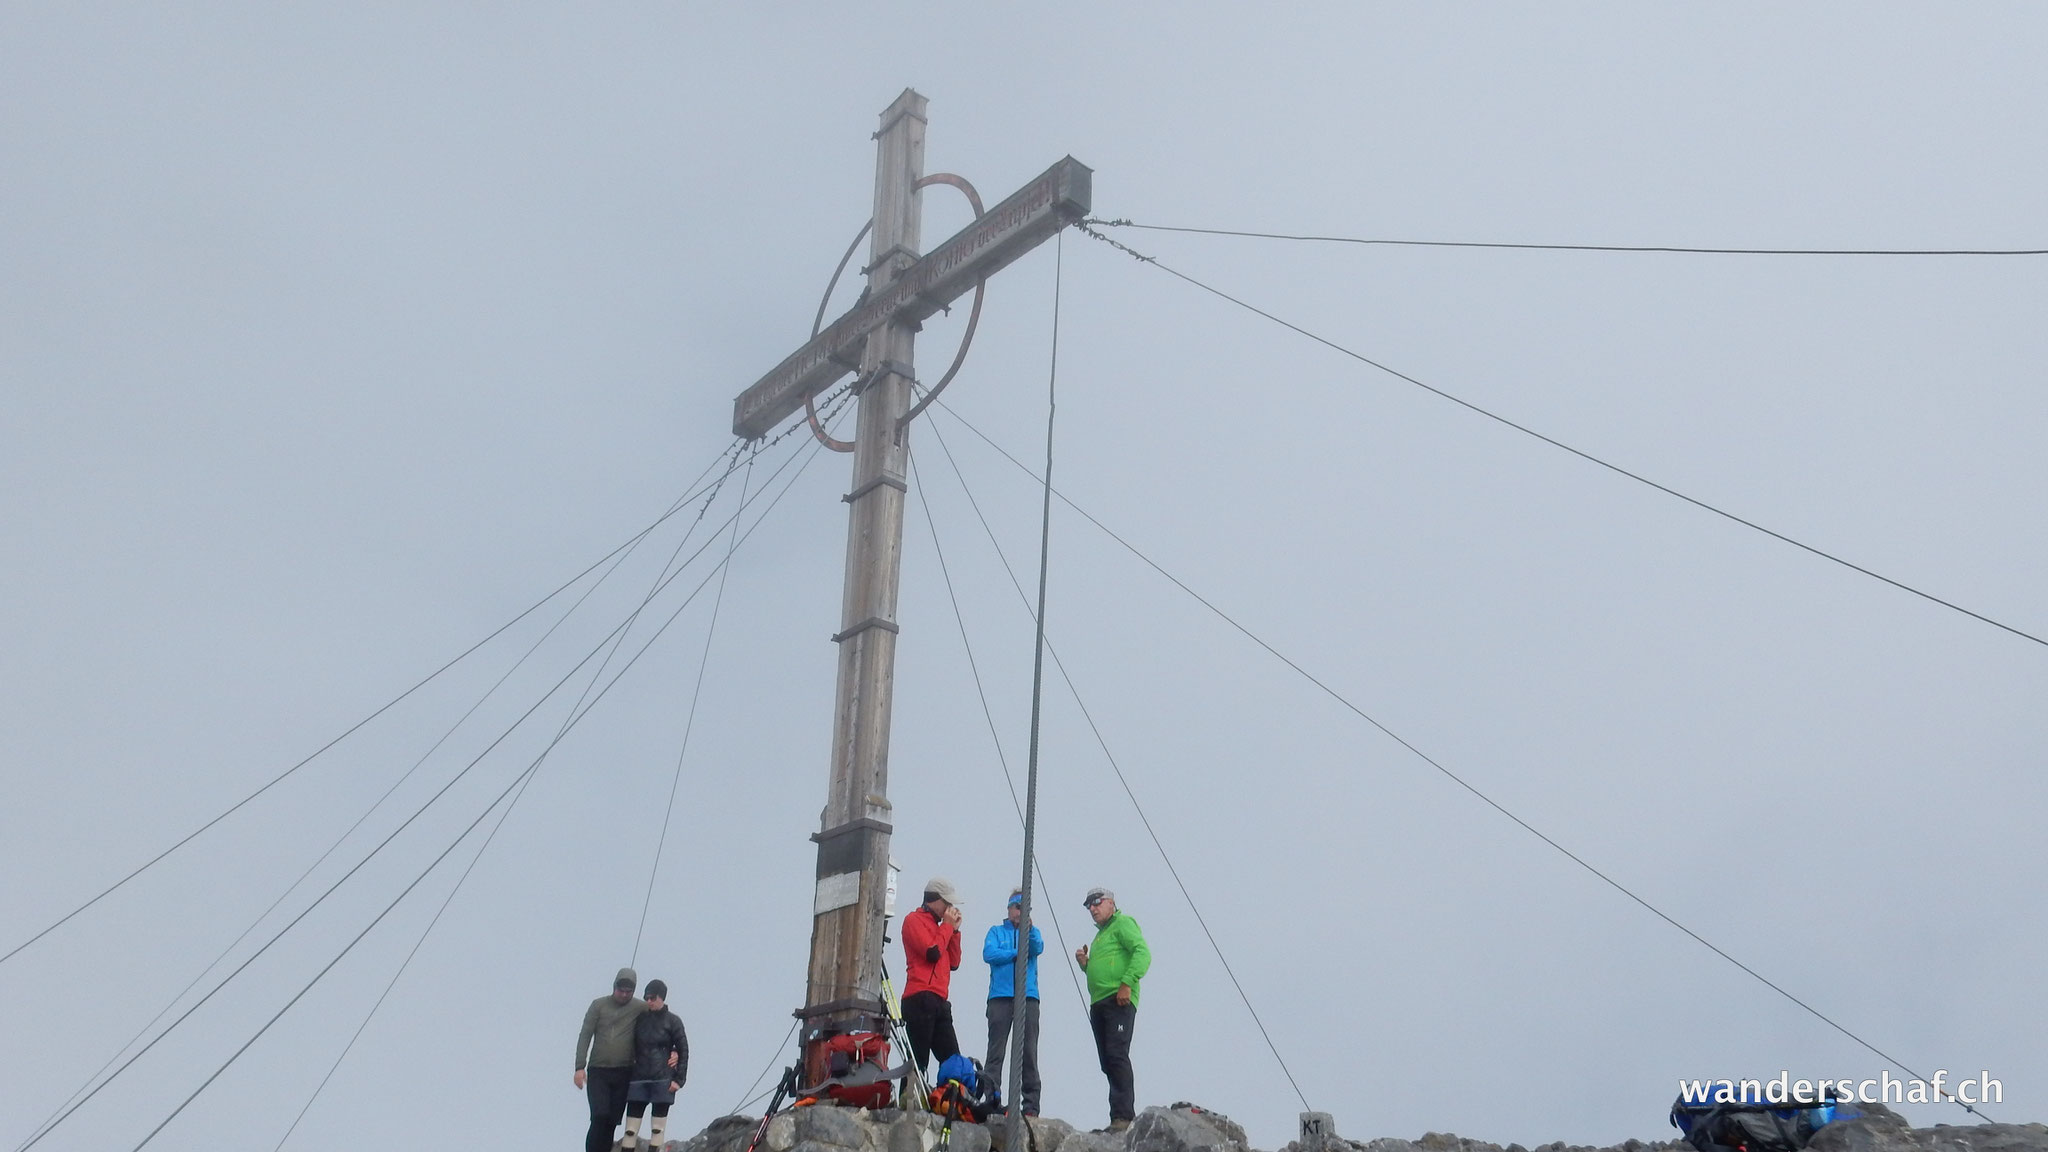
[857, 1069]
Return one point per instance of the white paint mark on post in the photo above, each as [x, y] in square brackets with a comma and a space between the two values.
[836, 892]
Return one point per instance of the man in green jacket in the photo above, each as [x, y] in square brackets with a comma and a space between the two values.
[604, 1057]
[1115, 961]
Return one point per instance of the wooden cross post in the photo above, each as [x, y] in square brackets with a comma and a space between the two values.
[876, 338]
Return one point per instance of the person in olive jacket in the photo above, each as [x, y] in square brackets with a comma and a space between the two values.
[661, 1063]
[604, 1057]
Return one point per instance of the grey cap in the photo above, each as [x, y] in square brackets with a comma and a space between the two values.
[627, 978]
[1095, 894]
[657, 990]
[942, 888]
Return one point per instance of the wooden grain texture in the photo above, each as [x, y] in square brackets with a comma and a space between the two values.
[846, 942]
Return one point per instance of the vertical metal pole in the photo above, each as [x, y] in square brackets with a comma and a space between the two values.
[844, 987]
[1020, 1004]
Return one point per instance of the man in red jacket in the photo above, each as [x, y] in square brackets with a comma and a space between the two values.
[931, 951]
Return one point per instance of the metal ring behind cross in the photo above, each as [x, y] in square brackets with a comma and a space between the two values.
[966, 338]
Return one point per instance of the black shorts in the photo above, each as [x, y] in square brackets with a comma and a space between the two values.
[650, 1092]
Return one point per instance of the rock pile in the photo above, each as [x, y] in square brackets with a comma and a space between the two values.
[1181, 1128]
[1882, 1130]
[1189, 1128]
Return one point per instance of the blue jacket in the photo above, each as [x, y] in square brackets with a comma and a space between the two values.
[1000, 950]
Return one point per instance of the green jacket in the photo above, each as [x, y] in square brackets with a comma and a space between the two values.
[607, 1034]
[1117, 956]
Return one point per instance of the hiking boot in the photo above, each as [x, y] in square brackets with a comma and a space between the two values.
[1118, 1125]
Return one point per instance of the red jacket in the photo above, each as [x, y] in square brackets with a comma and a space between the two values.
[923, 932]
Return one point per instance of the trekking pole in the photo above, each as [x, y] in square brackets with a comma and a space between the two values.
[893, 1018]
[785, 1087]
[946, 1127]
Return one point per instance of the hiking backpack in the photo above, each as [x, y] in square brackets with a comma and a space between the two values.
[962, 1091]
[857, 1069]
[1749, 1123]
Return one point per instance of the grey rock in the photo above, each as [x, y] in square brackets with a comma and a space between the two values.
[1982, 1138]
[1331, 1142]
[725, 1134]
[1082, 1141]
[969, 1137]
[1041, 1135]
[1184, 1128]
[905, 1134]
[1048, 1135]
[1879, 1129]
[820, 1124]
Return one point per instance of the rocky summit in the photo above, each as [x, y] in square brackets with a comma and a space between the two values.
[1190, 1128]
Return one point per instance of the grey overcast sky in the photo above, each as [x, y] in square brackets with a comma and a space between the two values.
[333, 337]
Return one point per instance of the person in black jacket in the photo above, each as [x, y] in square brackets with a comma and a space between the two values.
[661, 1063]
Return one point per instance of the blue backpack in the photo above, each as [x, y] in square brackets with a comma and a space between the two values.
[1750, 1123]
[962, 1068]
[960, 1090]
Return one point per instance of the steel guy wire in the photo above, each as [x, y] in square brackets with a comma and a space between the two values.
[1669, 248]
[523, 776]
[1002, 761]
[515, 725]
[1559, 444]
[485, 846]
[89, 1083]
[772, 1062]
[617, 559]
[680, 503]
[405, 963]
[1438, 765]
[689, 724]
[417, 945]
[531, 769]
[459, 882]
[1117, 768]
[696, 488]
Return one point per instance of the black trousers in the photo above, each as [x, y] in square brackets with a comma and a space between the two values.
[1113, 1024]
[607, 1090]
[1001, 1015]
[928, 1024]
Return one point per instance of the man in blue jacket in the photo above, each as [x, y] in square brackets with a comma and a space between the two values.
[1000, 950]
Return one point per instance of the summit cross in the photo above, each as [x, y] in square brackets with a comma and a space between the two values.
[876, 340]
